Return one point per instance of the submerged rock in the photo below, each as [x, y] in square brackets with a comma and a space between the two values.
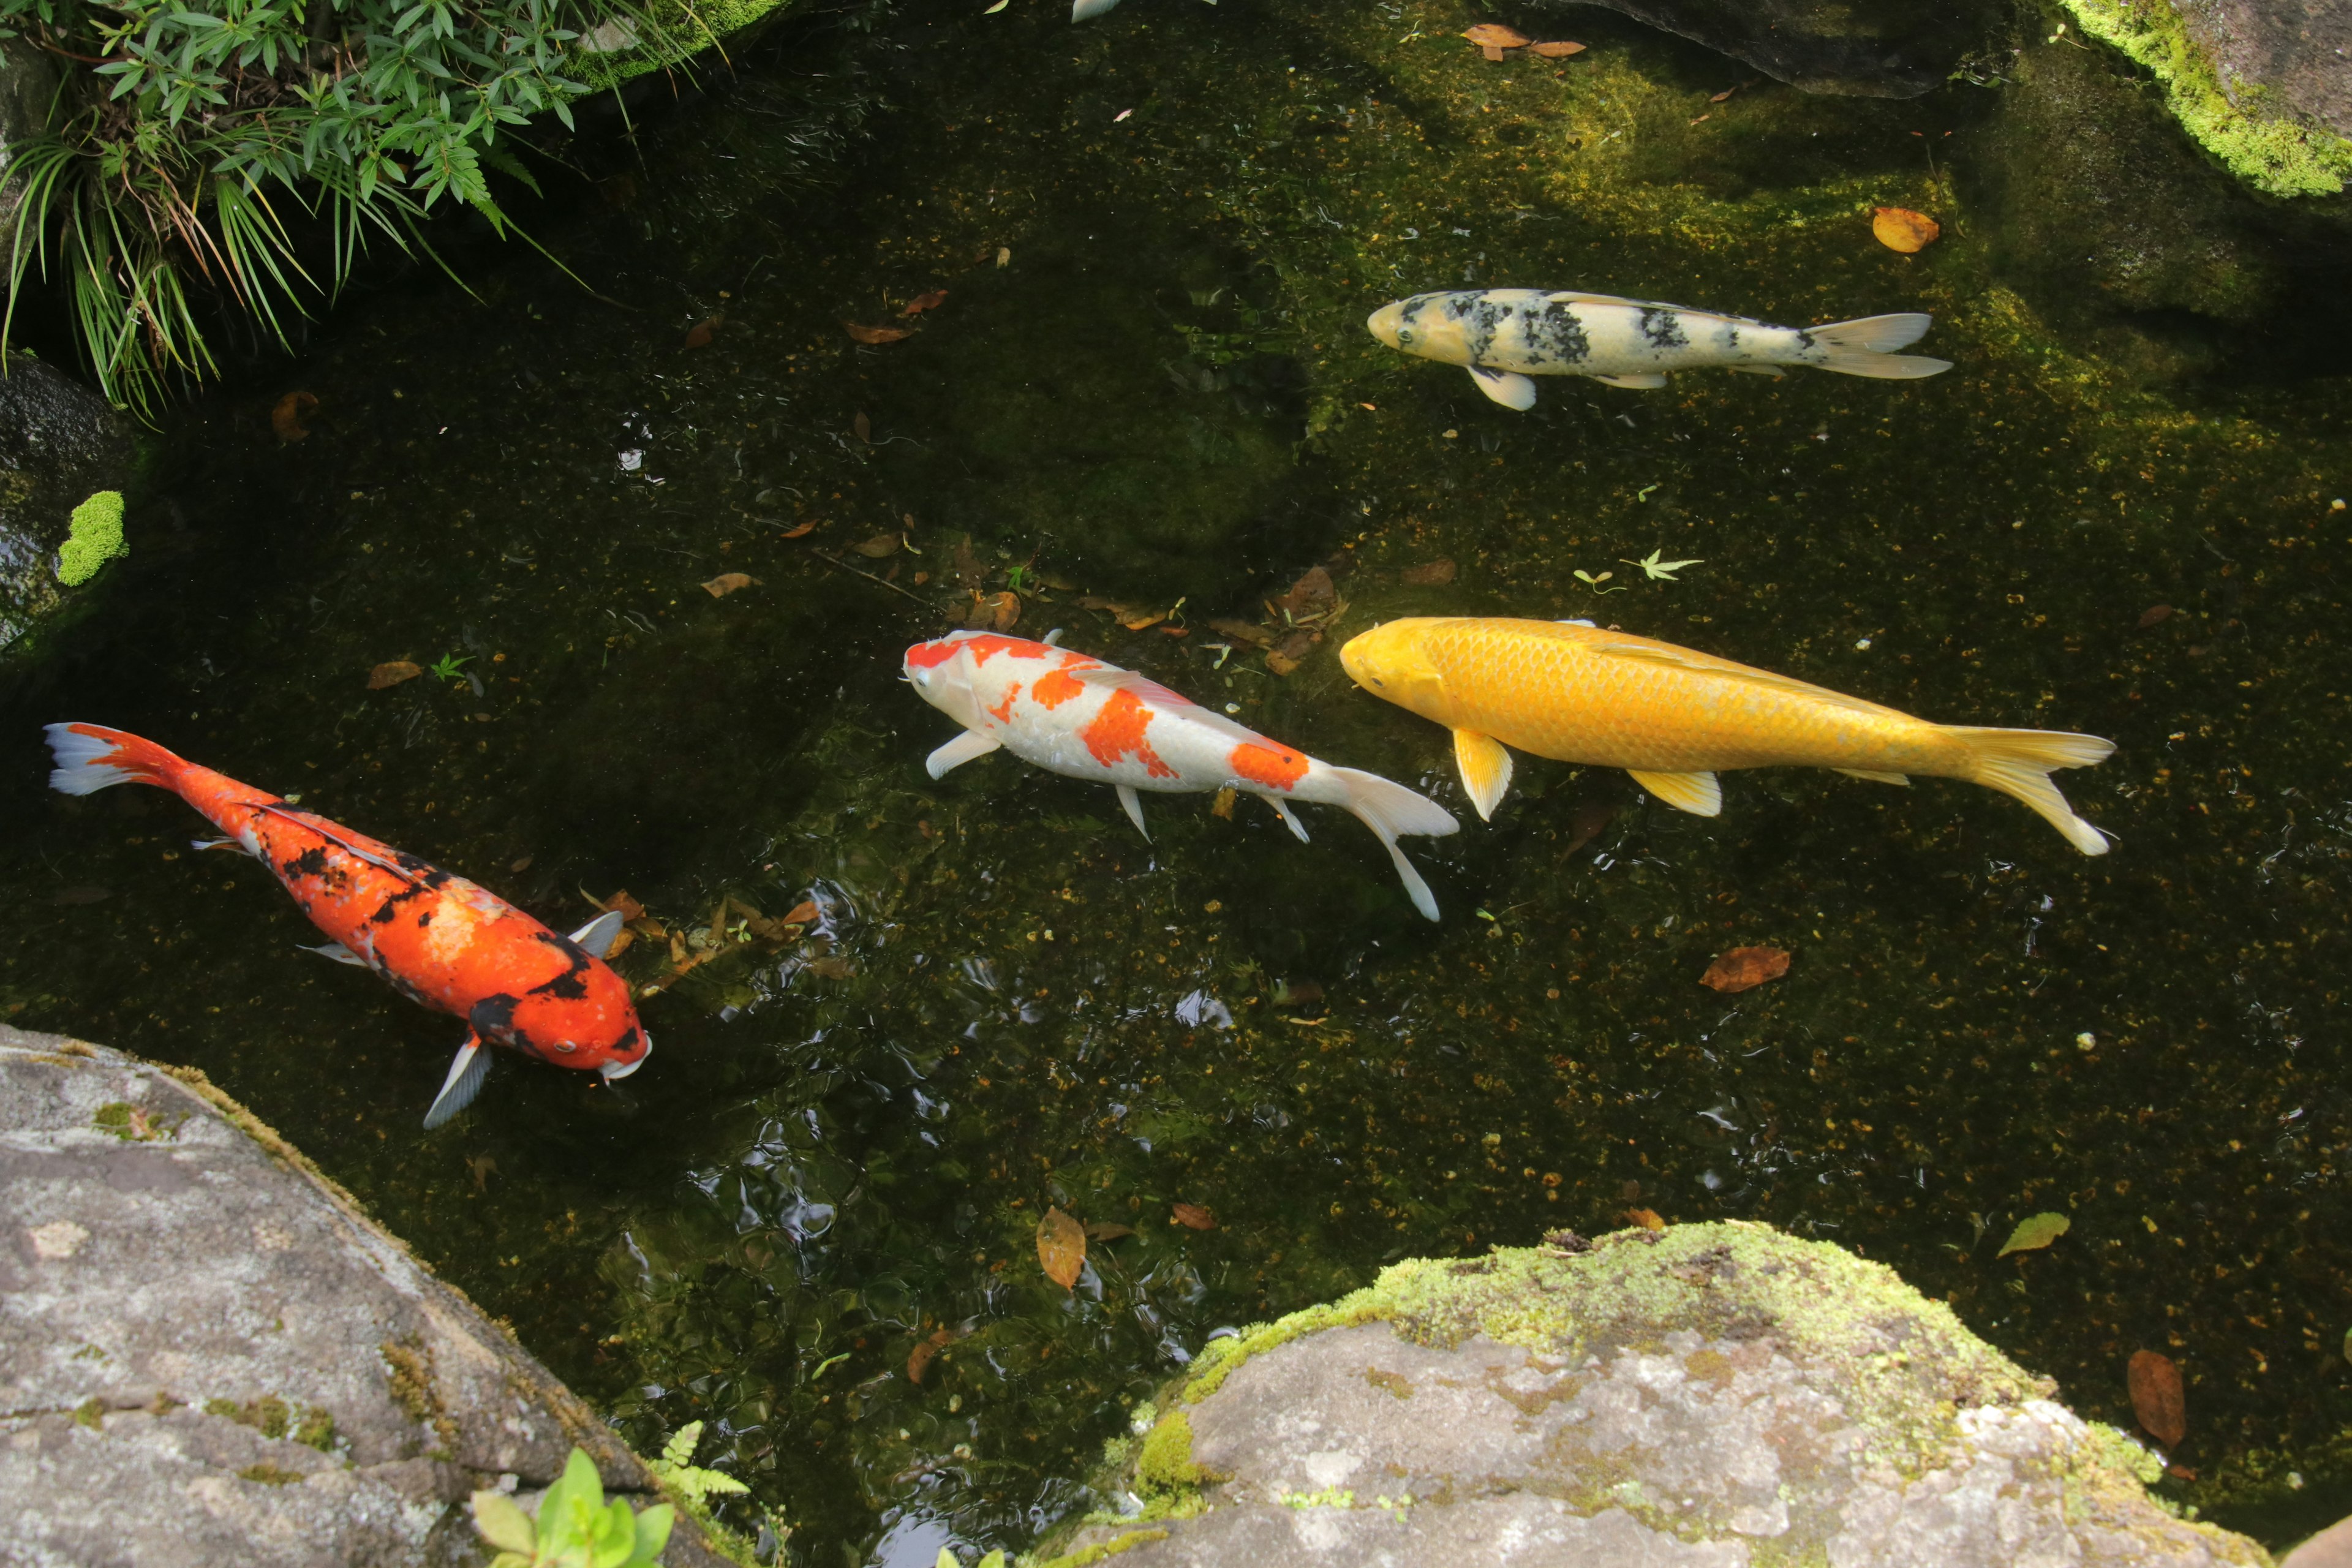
[59, 445]
[208, 1353]
[1888, 49]
[1710, 1395]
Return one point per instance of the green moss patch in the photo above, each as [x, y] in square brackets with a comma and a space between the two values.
[1087, 1555]
[95, 538]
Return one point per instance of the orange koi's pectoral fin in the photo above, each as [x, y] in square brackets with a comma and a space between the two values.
[220, 844]
[338, 952]
[964, 748]
[465, 1081]
[1697, 794]
[1486, 767]
[1133, 802]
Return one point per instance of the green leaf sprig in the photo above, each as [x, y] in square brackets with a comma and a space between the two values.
[576, 1527]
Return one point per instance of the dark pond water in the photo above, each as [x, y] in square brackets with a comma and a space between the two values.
[1148, 384]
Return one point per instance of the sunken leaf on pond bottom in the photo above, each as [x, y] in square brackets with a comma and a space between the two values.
[2036, 1232]
[1061, 1248]
[2156, 1398]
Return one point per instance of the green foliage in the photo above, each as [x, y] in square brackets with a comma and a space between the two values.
[694, 1488]
[449, 667]
[576, 1527]
[93, 538]
[197, 129]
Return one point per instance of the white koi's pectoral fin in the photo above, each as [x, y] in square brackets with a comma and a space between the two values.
[956, 753]
[1506, 387]
[1086, 10]
[1485, 765]
[1289, 818]
[471, 1065]
[338, 952]
[1774, 371]
[596, 938]
[1903, 779]
[220, 844]
[1133, 802]
[1648, 381]
[1697, 794]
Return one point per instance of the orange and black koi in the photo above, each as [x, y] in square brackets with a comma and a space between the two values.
[436, 938]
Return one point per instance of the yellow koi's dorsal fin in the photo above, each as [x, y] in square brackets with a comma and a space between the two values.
[1873, 778]
[1485, 770]
[1724, 669]
[1697, 794]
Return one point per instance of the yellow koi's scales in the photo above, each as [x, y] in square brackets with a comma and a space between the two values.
[1675, 718]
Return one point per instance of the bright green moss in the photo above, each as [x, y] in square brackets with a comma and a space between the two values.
[96, 538]
[1165, 1464]
[1086, 1556]
[2277, 156]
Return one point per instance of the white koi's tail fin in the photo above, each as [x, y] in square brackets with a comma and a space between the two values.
[1390, 811]
[91, 757]
[1866, 346]
[1082, 9]
[2020, 762]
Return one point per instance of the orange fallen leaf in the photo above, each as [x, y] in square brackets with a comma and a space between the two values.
[1100, 1231]
[1061, 1248]
[1429, 574]
[1240, 631]
[922, 302]
[1556, 50]
[1291, 653]
[519, 865]
[1900, 228]
[287, 416]
[877, 334]
[391, 673]
[2154, 614]
[700, 334]
[1646, 1218]
[2156, 1398]
[1313, 594]
[994, 612]
[1702, 118]
[630, 910]
[1719, 96]
[1745, 968]
[1192, 1216]
[918, 1359]
[803, 913]
[1493, 38]
[862, 428]
[726, 582]
[799, 529]
[880, 545]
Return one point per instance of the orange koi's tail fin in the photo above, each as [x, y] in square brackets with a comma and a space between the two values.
[1390, 809]
[1866, 346]
[2020, 762]
[91, 757]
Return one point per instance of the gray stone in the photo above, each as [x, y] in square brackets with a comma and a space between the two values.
[1865, 48]
[2331, 1548]
[208, 1353]
[2296, 54]
[59, 444]
[1710, 1396]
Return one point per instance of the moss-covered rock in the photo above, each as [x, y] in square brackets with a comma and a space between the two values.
[1709, 1393]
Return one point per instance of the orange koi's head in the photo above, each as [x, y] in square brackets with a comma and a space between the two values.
[583, 1018]
[1391, 661]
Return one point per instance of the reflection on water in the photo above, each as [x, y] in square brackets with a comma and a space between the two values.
[837, 1161]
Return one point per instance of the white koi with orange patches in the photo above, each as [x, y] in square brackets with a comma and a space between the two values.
[1087, 719]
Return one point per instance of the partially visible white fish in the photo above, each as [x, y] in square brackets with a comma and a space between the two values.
[1080, 10]
[1503, 336]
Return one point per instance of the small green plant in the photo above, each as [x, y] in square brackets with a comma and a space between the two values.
[679, 1474]
[1660, 570]
[576, 1527]
[948, 1559]
[1593, 582]
[451, 668]
[94, 537]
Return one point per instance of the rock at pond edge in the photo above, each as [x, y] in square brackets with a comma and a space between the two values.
[1712, 1394]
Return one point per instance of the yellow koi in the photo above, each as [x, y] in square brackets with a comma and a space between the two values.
[1675, 718]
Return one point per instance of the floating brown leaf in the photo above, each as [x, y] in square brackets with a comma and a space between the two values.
[922, 302]
[287, 416]
[1242, 631]
[991, 612]
[2157, 1397]
[700, 334]
[1646, 1218]
[1310, 596]
[1557, 49]
[1192, 1216]
[1100, 1231]
[1429, 574]
[880, 545]
[1061, 1248]
[630, 910]
[2154, 614]
[800, 530]
[1585, 823]
[391, 673]
[877, 334]
[918, 1359]
[1222, 806]
[519, 865]
[726, 582]
[1746, 968]
[803, 913]
[1900, 228]
[1493, 38]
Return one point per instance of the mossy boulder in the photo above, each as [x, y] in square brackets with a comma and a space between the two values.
[1706, 1395]
[1881, 49]
[62, 451]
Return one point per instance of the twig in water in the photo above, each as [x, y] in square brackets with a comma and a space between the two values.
[878, 581]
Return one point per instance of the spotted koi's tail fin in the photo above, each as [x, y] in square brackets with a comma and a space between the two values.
[1866, 346]
[91, 757]
[1391, 810]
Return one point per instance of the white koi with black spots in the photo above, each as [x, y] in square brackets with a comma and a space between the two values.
[1504, 336]
[1087, 720]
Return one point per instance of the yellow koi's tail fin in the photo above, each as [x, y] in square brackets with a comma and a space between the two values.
[1390, 810]
[1866, 346]
[2020, 762]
